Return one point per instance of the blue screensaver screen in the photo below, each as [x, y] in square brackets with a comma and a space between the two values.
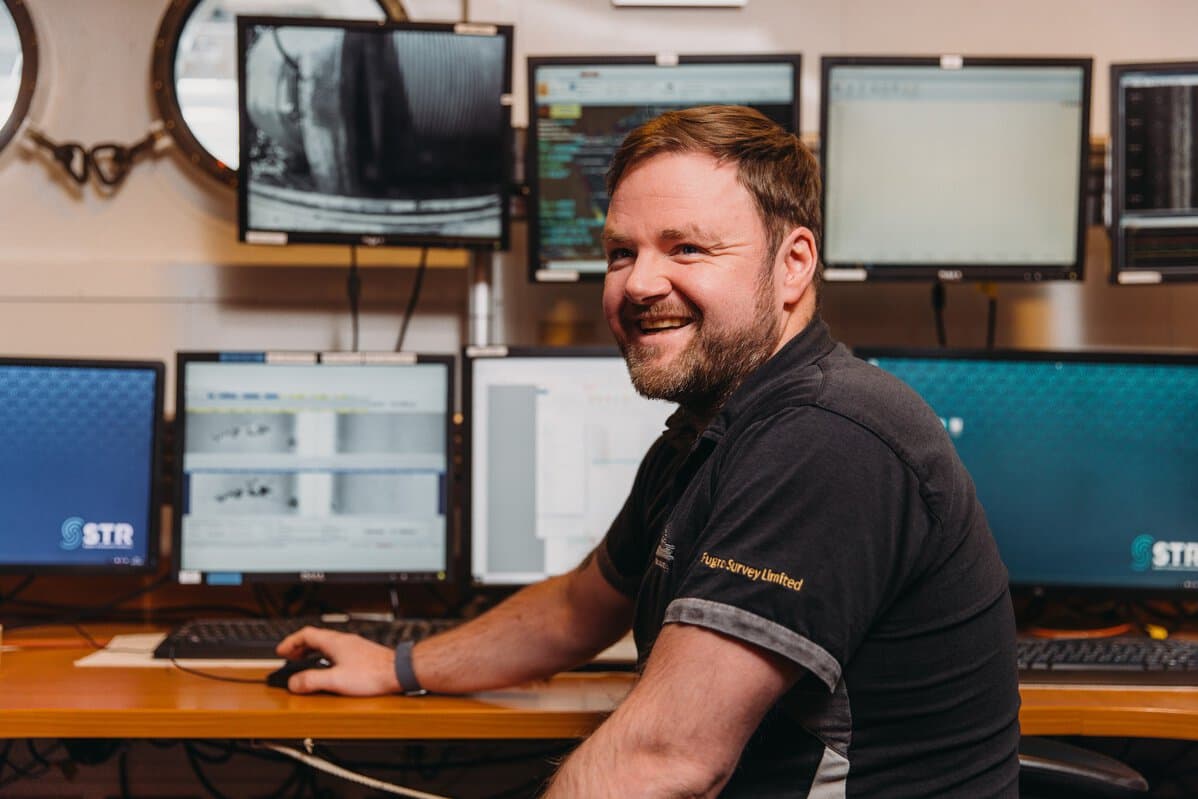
[77, 465]
[1087, 468]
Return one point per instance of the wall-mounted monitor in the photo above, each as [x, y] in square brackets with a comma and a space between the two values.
[79, 460]
[554, 438]
[374, 133]
[312, 467]
[1154, 172]
[580, 109]
[1084, 462]
[951, 168]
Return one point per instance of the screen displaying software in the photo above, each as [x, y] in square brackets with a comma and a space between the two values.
[312, 471]
[1085, 465]
[1154, 176]
[78, 465]
[975, 168]
[554, 445]
[365, 133]
[582, 108]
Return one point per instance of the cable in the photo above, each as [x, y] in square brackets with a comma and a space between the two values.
[938, 303]
[346, 774]
[21, 586]
[193, 760]
[991, 292]
[99, 609]
[413, 298]
[353, 289]
[218, 677]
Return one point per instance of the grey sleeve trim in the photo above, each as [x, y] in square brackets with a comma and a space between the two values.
[754, 629]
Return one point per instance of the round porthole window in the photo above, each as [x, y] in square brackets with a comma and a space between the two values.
[18, 67]
[194, 72]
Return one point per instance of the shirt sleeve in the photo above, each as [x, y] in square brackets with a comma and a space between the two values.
[813, 522]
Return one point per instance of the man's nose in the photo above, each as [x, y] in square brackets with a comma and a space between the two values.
[648, 279]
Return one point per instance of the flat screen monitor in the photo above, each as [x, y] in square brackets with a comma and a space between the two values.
[79, 461]
[554, 438]
[1154, 172]
[312, 467]
[1086, 463]
[954, 168]
[580, 109]
[374, 133]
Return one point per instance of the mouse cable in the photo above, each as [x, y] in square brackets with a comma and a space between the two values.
[218, 677]
[353, 291]
[321, 764]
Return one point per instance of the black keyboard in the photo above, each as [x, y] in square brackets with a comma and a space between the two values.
[257, 638]
[1146, 661]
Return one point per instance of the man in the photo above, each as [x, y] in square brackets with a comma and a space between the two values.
[818, 604]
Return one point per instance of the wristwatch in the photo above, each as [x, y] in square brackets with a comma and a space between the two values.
[408, 684]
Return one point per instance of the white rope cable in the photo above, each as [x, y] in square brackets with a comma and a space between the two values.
[345, 774]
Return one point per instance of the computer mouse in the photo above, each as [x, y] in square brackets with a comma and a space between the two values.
[279, 677]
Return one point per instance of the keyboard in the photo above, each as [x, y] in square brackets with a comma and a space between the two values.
[257, 638]
[1145, 661]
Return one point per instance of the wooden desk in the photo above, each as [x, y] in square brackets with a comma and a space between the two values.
[42, 695]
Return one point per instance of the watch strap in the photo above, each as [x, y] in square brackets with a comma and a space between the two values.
[408, 684]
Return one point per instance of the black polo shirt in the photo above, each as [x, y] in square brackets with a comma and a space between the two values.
[824, 515]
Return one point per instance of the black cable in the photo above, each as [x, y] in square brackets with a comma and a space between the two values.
[353, 289]
[199, 772]
[938, 303]
[991, 321]
[122, 770]
[97, 610]
[21, 586]
[413, 298]
[218, 677]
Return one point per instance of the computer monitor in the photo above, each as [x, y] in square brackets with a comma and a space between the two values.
[359, 132]
[79, 465]
[954, 168]
[312, 467]
[580, 109]
[554, 438]
[1154, 172]
[1085, 462]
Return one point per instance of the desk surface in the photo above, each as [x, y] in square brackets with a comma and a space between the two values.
[42, 695]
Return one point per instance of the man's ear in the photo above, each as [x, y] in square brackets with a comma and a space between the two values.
[799, 258]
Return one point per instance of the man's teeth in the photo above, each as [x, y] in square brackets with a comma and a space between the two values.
[662, 324]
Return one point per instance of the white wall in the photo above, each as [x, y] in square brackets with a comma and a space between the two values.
[155, 267]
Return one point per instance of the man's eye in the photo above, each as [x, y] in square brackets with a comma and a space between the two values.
[618, 254]
[688, 249]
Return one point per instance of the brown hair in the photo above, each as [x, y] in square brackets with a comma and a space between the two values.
[777, 169]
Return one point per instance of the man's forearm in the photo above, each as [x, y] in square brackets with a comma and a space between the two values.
[537, 632]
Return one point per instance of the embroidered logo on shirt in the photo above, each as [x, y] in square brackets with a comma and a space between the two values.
[665, 552]
[752, 572]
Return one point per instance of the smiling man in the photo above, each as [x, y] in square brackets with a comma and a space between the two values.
[818, 605]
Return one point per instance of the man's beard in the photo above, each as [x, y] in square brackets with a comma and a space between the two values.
[714, 363]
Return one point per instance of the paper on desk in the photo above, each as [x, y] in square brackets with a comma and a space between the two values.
[137, 651]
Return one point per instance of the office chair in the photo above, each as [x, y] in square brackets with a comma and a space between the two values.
[1050, 769]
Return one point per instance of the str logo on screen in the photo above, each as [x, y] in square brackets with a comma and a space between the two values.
[78, 534]
[1147, 552]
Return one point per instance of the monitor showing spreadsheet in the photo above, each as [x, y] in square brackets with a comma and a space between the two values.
[312, 467]
[554, 439]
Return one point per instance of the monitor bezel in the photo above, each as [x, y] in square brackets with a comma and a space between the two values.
[153, 512]
[482, 243]
[1042, 589]
[469, 356]
[1119, 273]
[962, 272]
[442, 577]
[537, 274]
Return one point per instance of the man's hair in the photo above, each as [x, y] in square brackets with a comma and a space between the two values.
[777, 170]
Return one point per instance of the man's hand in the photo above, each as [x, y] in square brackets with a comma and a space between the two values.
[360, 667]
